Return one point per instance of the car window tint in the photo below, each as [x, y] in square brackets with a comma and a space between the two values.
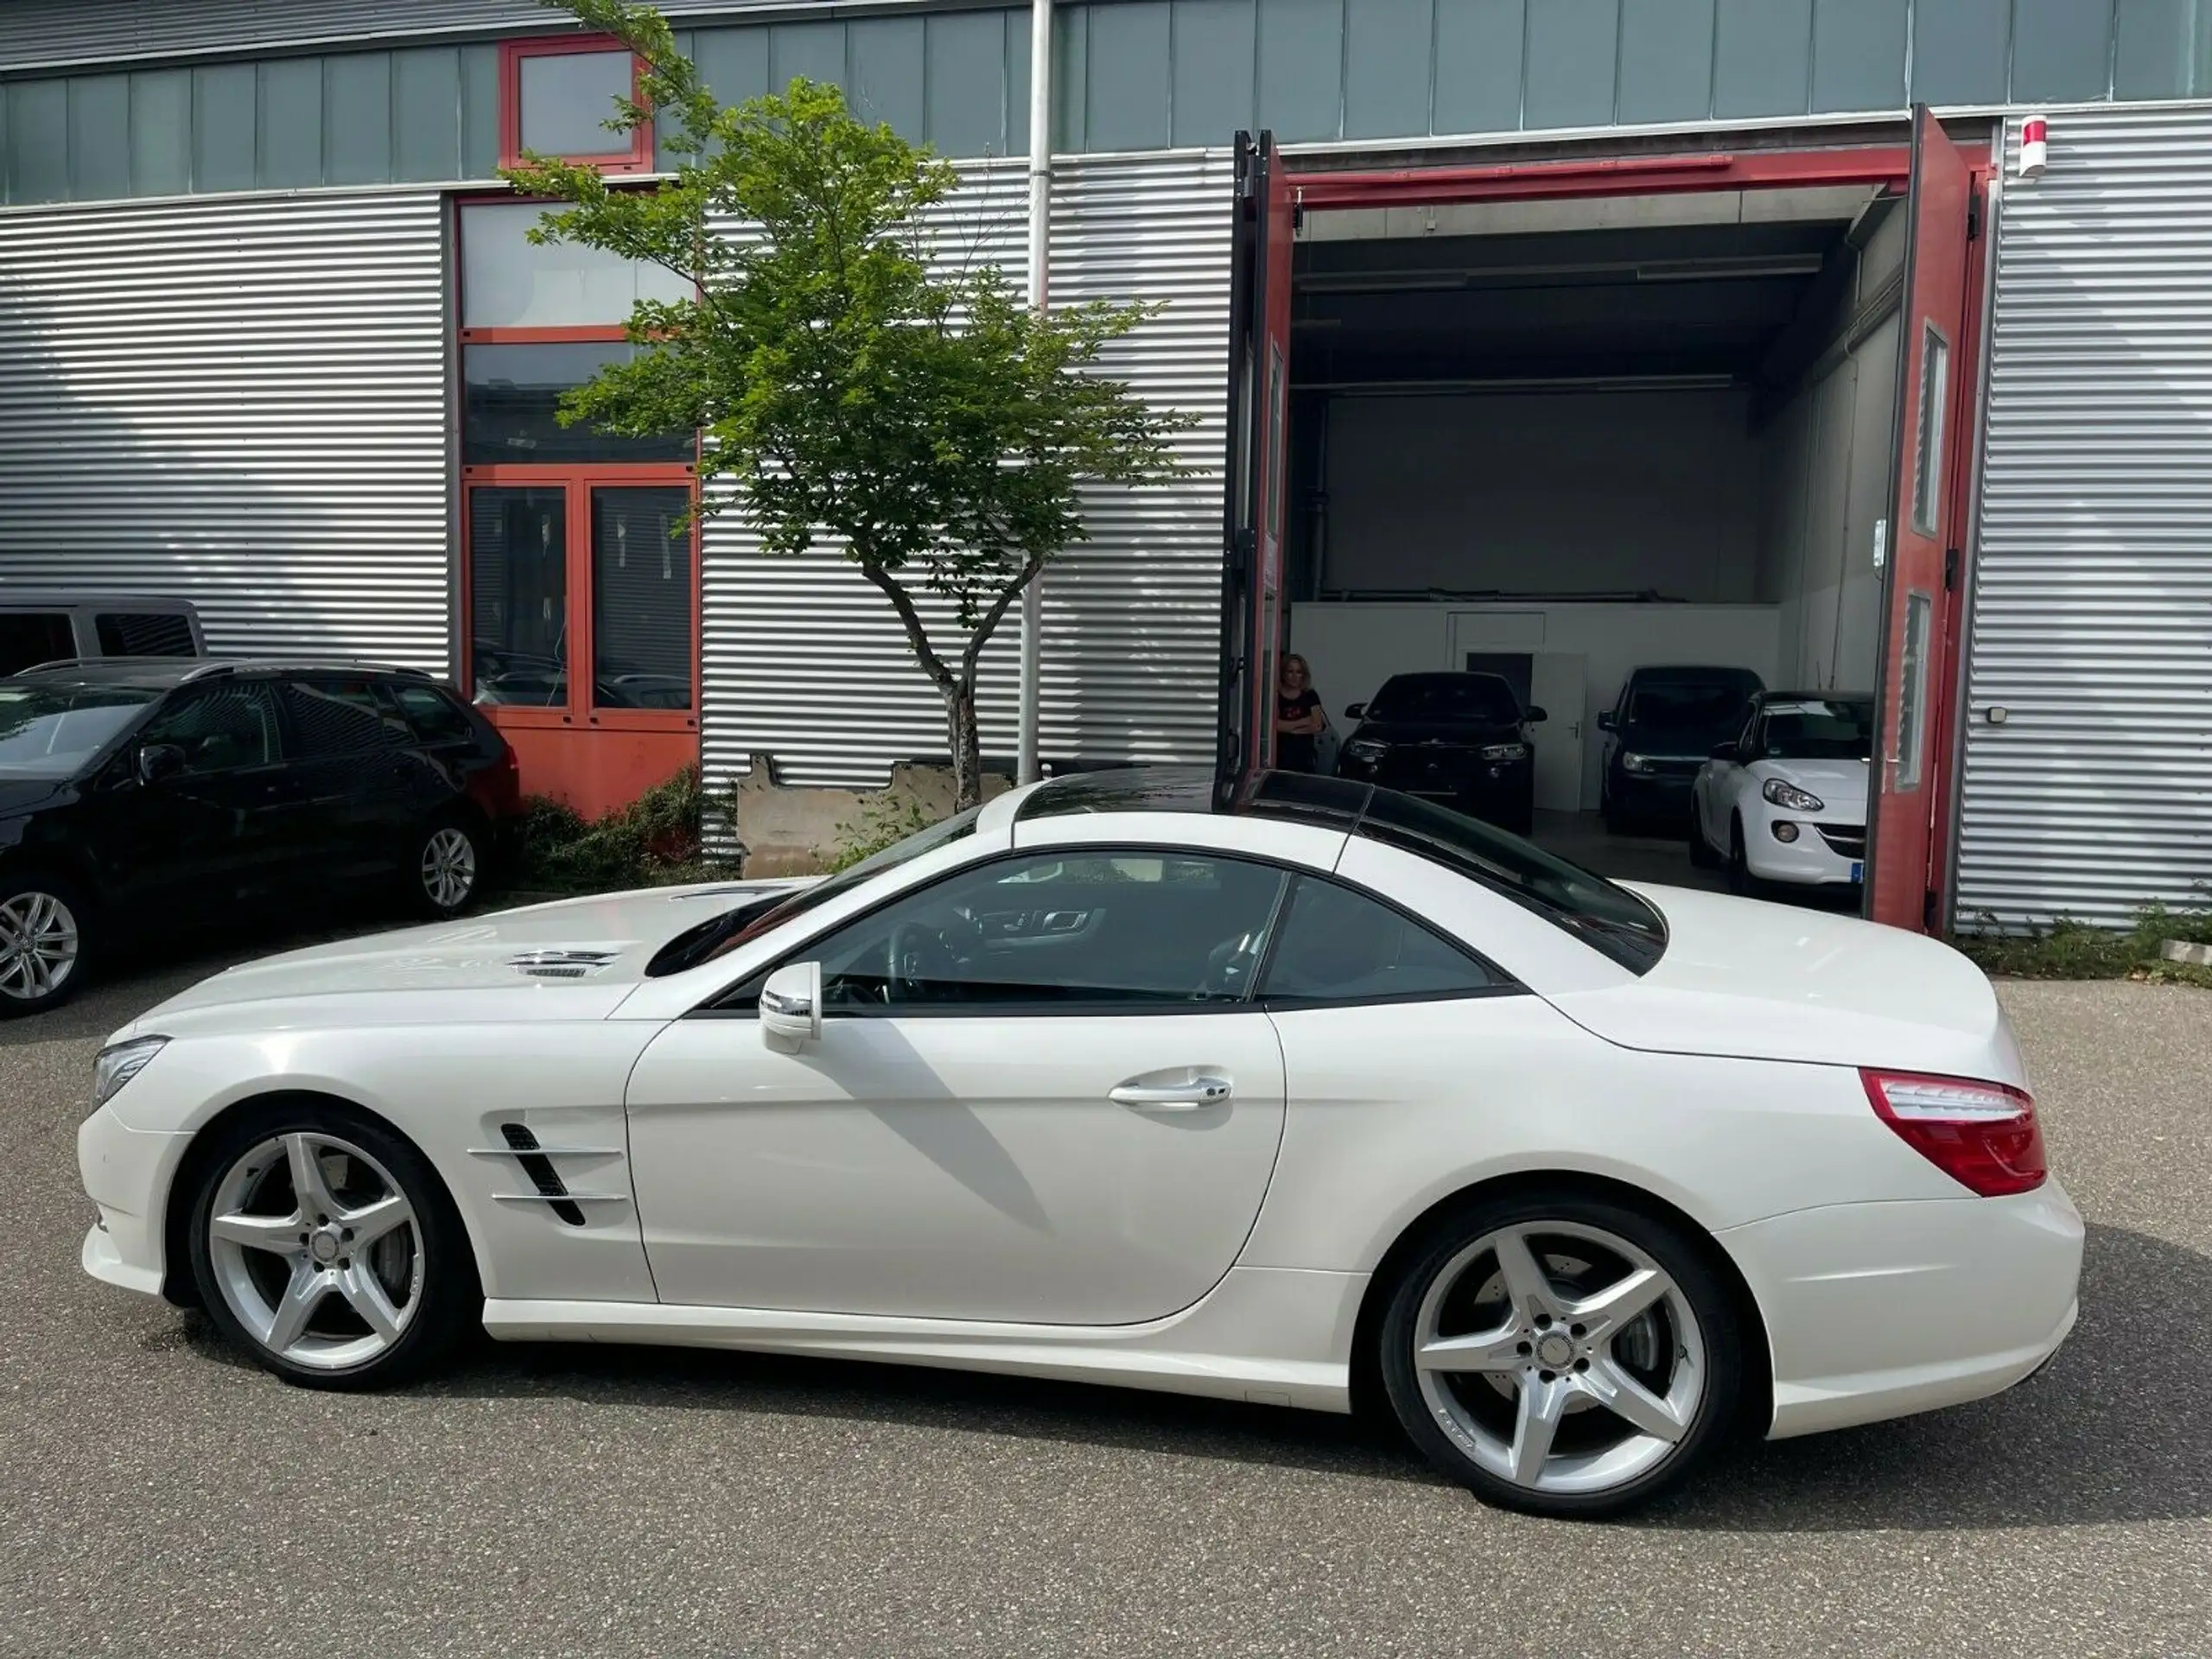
[143, 633]
[225, 726]
[29, 637]
[338, 716]
[1059, 929]
[436, 717]
[1341, 946]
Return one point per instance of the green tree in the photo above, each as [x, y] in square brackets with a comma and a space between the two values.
[857, 384]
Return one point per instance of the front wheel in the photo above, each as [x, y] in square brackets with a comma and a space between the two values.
[1702, 854]
[1562, 1355]
[446, 869]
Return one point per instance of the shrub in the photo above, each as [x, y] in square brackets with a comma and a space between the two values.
[657, 840]
[2070, 949]
[883, 822]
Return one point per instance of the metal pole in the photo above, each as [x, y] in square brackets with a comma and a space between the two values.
[1041, 262]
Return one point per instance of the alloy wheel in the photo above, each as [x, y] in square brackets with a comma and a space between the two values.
[1558, 1357]
[317, 1250]
[448, 868]
[39, 945]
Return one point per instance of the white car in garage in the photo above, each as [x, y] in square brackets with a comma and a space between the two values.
[1115, 1079]
[1784, 802]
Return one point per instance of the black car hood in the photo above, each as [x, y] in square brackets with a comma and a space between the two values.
[1672, 745]
[19, 795]
[1440, 731]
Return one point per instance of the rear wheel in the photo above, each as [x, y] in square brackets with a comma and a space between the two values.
[43, 943]
[1562, 1355]
[447, 868]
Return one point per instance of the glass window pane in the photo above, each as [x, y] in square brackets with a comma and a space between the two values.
[143, 633]
[1912, 690]
[511, 403]
[506, 282]
[1056, 929]
[641, 589]
[220, 729]
[29, 637]
[332, 717]
[567, 98]
[1342, 946]
[1928, 449]
[519, 596]
[434, 716]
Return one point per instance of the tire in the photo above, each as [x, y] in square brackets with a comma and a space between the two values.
[446, 866]
[1685, 1339]
[1740, 880]
[48, 939]
[415, 1279]
[1702, 855]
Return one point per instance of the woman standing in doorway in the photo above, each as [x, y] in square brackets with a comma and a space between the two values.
[1300, 719]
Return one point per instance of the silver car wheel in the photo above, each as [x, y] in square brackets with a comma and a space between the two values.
[1560, 1358]
[448, 868]
[39, 945]
[317, 1250]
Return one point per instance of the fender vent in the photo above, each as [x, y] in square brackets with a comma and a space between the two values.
[560, 964]
[542, 1175]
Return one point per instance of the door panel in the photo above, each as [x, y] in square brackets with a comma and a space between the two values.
[232, 825]
[1557, 687]
[953, 1166]
[1914, 603]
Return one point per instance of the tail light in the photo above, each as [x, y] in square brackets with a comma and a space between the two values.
[1983, 1135]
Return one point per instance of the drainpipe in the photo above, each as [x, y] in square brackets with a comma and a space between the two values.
[1040, 261]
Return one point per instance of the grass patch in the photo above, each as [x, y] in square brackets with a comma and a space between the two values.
[655, 840]
[2072, 950]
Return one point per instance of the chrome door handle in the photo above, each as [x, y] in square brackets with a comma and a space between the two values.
[1205, 1089]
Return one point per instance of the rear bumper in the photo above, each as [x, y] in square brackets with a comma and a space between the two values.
[1875, 1311]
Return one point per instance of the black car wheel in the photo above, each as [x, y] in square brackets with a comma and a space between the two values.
[1703, 854]
[1739, 867]
[447, 868]
[45, 928]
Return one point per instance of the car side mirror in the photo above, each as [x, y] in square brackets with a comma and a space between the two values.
[159, 760]
[1356, 711]
[790, 1007]
[1535, 716]
[1607, 723]
[1724, 752]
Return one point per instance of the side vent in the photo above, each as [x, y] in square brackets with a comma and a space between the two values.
[547, 1180]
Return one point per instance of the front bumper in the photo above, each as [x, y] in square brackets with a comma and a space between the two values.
[1876, 1311]
[1811, 860]
[127, 1174]
[1498, 791]
[1648, 795]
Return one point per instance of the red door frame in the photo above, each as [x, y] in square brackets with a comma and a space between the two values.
[1887, 166]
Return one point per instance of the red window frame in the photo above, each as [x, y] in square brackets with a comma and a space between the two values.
[639, 158]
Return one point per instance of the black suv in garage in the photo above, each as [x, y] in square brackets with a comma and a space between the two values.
[146, 793]
[1462, 739]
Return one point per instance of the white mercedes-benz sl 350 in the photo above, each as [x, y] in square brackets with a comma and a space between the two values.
[1271, 1095]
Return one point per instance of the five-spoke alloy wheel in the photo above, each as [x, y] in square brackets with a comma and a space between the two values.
[1561, 1354]
[324, 1248]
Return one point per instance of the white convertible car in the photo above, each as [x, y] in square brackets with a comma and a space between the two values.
[1785, 801]
[1275, 1099]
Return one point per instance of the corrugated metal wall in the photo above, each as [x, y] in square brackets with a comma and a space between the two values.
[243, 404]
[805, 661]
[2093, 608]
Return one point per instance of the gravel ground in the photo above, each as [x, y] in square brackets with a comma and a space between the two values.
[158, 1497]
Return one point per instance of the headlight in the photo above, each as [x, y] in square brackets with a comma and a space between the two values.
[1790, 798]
[1636, 763]
[117, 1065]
[1367, 749]
[1505, 751]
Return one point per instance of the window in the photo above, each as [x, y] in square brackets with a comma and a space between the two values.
[333, 717]
[555, 97]
[434, 716]
[519, 596]
[1484, 697]
[1337, 945]
[509, 282]
[48, 731]
[1818, 728]
[145, 633]
[510, 407]
[225, 727]
[1059, 931]
[29, 637]
[1912, 690]
[1928, 444]
[641, 587]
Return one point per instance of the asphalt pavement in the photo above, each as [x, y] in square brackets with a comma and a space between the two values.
[159, 1497]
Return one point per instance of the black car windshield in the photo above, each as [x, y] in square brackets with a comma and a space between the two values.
[50, 731]
[1694, 714]
[1610, 919]
[1818, 728]
[749, 921]
[1483, 697]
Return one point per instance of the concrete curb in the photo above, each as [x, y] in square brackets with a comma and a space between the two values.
[2197, 956]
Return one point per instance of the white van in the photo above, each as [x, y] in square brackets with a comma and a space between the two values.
[49, 628]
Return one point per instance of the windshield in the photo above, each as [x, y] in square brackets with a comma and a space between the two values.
[749, 921]
[1610, 919]
[1818, 730]
[1483, 697]
[1694, 714]
[50, 731]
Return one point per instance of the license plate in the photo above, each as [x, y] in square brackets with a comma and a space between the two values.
[1857, 871]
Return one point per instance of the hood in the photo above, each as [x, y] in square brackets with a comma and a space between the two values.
[578, 951]
[1756, 981]
[1438, 731]
[1670, 744]
[1840, 784]
[19, 795]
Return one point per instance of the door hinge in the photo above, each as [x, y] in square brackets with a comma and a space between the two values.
[1950, 569]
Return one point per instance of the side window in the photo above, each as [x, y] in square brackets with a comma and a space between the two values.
[142, 633]
[1341, 946]
[29, 637]
[434, 716]
[1747, 740]
[227, 726]
[1050, 931]
[342, 715]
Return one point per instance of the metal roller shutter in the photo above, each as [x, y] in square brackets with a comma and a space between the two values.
[2093, 608]
[243, 404]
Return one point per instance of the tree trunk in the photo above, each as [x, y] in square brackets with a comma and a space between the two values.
[967, 747]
